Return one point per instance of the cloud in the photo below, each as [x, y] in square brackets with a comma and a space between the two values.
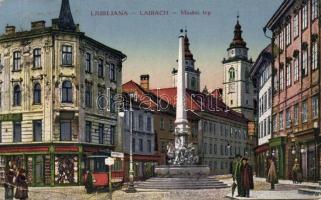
[1, 1]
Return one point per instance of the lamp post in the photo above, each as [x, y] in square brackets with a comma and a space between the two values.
[131, 187]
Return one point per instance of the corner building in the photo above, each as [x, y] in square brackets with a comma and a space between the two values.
[50, 80]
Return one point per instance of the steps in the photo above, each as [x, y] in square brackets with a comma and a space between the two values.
[180, 183]
[311, 190]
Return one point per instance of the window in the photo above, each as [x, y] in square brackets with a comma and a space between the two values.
[281, 79]
[281, 120]
[65, 130]
[66, 55]
[162, 123]
[215, 149]
[149, 146]
[247, 87]
[66, 92]
[288, 74]
[264, 127]
[16, 61]
[304, 63]
[37, 58]
[305, 17]
[112, 135]
[88, 95]
[112, 100]
[149, 124]
[282, 40]
[37, 94]
[265, 101]
[315, 8]
[140, 122]
[288, 118]
[17, 96]
[314, 55]
[268, 121]
[275, 124]
[101, 133]
[88, 63]
[134, 144]
[231, 72]
[296, 114]
[193, 83]
[288, 34]
[0, 132]
[211, 149]
[222, 150]
[112, 72]
[88, 131]
[141, 145]
[304, 111]
[101, 68]
[296, 26]
[16, 131]
[315, 105]
[270, 98]
[276, 83]
[296, 68]
[37, 130]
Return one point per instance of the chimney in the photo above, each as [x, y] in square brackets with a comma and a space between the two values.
[144, 81]
[38, 25]
[10, 29]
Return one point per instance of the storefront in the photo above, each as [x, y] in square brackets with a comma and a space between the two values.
[261, 152]
[277, 151]
[304, 146]
[51, 164]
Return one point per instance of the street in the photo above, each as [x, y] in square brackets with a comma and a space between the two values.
[284, 190]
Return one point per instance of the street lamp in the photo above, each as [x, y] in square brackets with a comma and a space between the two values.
[131, 187]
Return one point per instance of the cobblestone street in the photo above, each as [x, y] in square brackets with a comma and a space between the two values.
[78, 193]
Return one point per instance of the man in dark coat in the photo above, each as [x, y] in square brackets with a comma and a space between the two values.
[22, 186]
[237, 164]
[246, 178]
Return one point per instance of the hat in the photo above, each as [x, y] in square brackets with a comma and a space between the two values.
[245, 158]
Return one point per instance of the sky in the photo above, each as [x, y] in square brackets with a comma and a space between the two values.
[151, 42]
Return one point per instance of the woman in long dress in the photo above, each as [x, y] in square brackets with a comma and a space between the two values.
[272, 177]
[22, 186]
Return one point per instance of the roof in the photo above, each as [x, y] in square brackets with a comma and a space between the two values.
[264, 56]
[217, 93]
[198, 102]
[286, 4]
[147, 98]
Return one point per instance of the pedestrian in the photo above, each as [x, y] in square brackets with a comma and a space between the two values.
[237, 174]
[272, 177]
[22, 186]
[246, 177]
[295, 171]
[9, 182]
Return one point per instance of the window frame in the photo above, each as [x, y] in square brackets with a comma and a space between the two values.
[37, 58]
[88, 62]
[66, 55]
[68, 91]
[16, 61]
[17, 95]
[17, 136]
[37, 90]
[100, 68]
[61, 133]
[37, 133]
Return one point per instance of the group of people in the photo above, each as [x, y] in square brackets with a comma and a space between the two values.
[243, 175]
[15, 180]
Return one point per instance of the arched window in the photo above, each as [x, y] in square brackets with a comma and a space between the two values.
[66, 92]
[231, 72]
[37, 94]
[17, 96]
[193, 83]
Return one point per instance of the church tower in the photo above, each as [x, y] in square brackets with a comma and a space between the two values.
[192, 75]
[238, 92]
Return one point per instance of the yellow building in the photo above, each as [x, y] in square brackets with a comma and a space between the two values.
[57, 87]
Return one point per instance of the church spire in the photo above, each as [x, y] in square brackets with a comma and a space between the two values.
[66, 21]
[188, 54]
[238, 41]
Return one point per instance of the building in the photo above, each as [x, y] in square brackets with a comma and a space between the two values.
[238, 90]
[295, 28]
[143, 139]
[261, 74]
[162, 115]
[192, 77]
[218, 133]
[50, 80]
